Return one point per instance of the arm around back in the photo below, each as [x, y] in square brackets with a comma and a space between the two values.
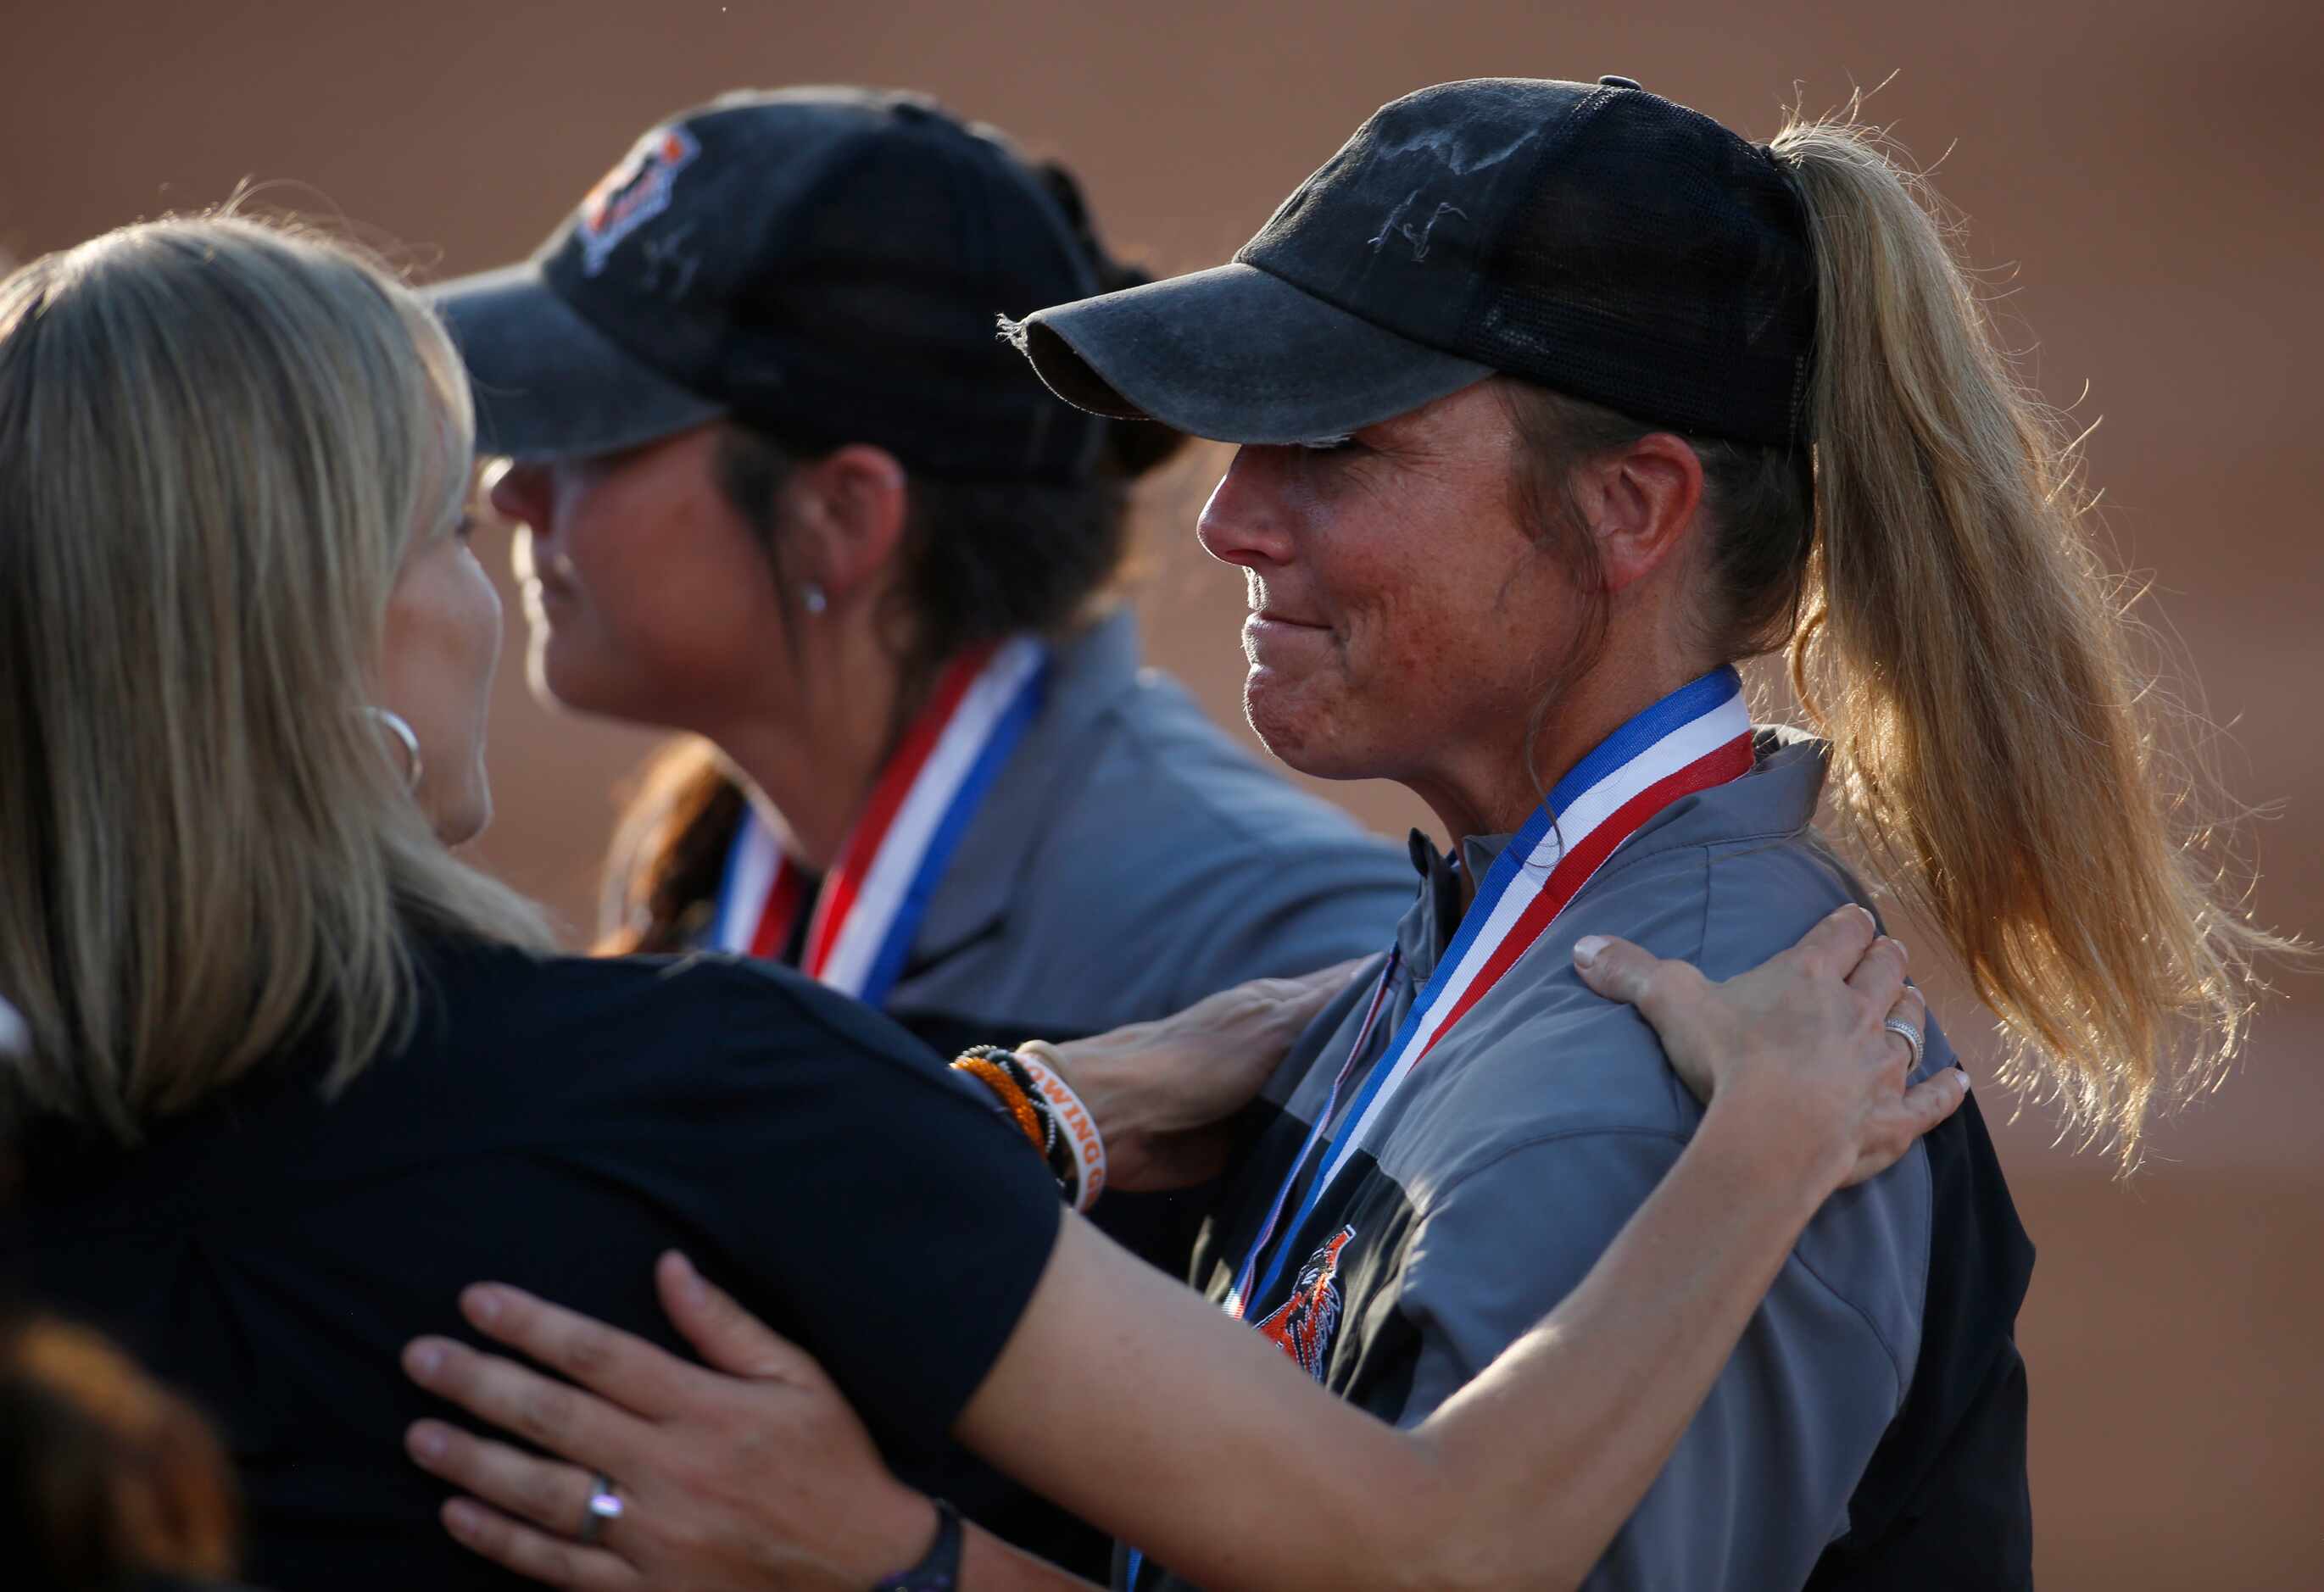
[1127, 1398]
[1758, 1483]
[1222, 1459]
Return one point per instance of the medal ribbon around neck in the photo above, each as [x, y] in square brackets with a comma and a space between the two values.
[872, 903]
[1696, 738]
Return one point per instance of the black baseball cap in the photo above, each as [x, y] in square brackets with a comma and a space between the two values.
[825, 264]
[1593, 238]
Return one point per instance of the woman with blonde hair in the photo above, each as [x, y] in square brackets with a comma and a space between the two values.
[1555, 400]
[295, 1074]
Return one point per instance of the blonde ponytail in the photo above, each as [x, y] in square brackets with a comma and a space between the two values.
[1994, 750]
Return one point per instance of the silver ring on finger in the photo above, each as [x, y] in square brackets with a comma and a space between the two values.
[605, 1506]
[1910, 1035]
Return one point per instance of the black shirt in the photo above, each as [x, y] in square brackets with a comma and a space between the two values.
[554, 1124]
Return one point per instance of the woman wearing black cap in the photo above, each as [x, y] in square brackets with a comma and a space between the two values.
[788, 489]
[1555, 400]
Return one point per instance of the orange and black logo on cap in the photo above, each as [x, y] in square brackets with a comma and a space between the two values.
[631, 194]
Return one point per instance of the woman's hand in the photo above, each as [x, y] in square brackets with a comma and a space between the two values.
[758, 1478]
[1159, 1091]
[1796, 1044]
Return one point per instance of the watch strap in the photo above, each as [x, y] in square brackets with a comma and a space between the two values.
[939, 1567]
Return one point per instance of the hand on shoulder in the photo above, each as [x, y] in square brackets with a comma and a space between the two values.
[1806, 1050]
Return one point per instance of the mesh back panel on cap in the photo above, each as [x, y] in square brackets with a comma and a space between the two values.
[1658, 264]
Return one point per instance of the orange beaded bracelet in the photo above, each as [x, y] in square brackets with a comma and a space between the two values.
[1004, 1088]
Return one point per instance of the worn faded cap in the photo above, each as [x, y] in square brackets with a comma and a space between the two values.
[825, 265]
[1593, 238]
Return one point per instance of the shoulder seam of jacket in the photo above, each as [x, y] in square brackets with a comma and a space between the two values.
[1141, 742]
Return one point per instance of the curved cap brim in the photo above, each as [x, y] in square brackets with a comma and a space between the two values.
[1236, 354]
[550, 385]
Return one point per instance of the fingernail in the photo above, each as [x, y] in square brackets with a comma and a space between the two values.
[426, 1441]
[423, 1360]
[461, 1518]
[483, 1305]
[688, 1280]
[1962, 1073]
[1586, 949]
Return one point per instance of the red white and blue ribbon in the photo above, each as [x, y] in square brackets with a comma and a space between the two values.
[872, 903]
[1239, 1295]
[1696, 738]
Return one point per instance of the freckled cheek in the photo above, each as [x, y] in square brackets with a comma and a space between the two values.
[1380, 623]
[1412, 651]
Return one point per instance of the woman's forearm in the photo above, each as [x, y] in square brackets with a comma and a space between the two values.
[1129, 1399]
[1218, 1456]
[1154, 1087]
[987, 1564]
[1546, 1453]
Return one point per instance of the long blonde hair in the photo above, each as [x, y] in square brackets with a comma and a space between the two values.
[1997, 757]
[1996, 749]
[219, 440]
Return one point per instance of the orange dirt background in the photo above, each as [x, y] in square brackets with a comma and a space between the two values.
[2141, 179]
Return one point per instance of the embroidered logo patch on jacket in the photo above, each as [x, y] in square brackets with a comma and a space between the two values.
[1304, 1326]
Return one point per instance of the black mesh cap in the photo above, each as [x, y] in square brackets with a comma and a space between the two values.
[1594, 238]
[825, 264]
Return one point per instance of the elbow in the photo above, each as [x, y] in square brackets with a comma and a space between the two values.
[1463, 1538]
[1455, 1566]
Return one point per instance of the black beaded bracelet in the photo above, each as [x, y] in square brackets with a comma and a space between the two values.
[1057, 1149]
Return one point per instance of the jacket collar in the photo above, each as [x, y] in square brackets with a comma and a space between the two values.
[1777, 798]
[1091, 672]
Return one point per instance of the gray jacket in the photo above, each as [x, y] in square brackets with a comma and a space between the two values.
[1131, 859]
[1505, 1166]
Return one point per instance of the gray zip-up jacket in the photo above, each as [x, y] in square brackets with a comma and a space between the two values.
[1131, 859]
[1540, 1122]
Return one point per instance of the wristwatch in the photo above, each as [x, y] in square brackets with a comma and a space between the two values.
[939, 1567]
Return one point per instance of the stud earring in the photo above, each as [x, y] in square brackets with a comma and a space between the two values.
[811, 596]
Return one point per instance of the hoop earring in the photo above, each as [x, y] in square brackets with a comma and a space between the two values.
[811, 597]
[395, 725]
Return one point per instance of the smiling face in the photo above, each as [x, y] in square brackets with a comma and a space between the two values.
[650, 598]
[1403, 623]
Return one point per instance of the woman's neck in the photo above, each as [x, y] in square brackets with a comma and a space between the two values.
[1493, 788]
[812, 761]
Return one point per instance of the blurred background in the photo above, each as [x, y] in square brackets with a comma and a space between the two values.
[2139, 182]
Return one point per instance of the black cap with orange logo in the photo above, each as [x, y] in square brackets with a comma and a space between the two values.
[828, 265]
